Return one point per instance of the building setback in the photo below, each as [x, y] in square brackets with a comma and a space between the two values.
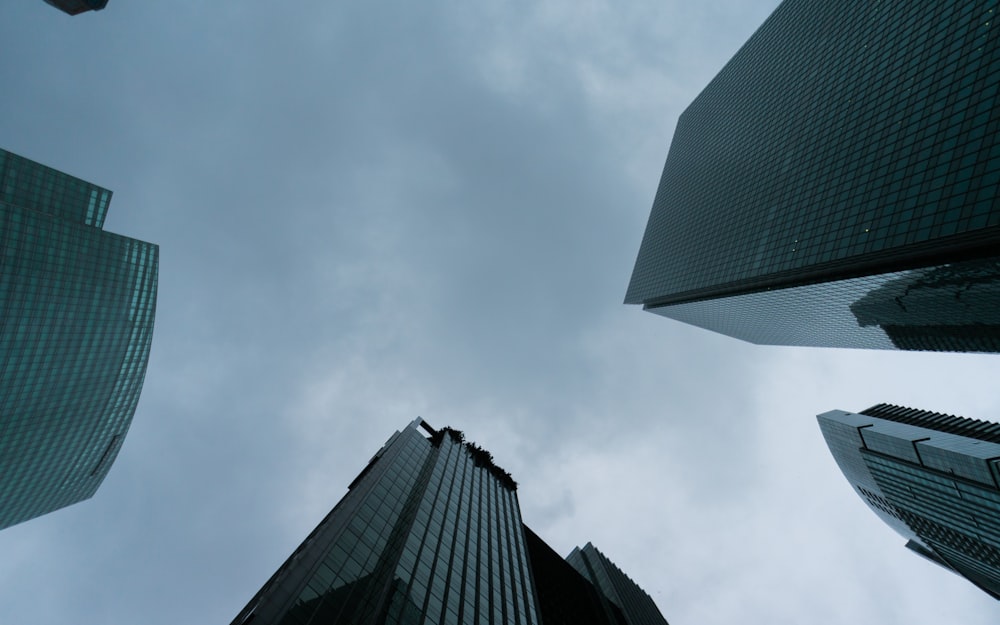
[933, 478]
[429, 532]
[836, 184]
[635, 603]
[565, 596]
[76, 322]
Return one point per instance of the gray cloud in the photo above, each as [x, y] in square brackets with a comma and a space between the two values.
[372, 212]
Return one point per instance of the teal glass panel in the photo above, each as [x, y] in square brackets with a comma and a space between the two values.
[77, 306]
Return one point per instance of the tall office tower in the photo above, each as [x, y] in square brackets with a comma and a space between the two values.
[76, 321]
[933, 478]
[75, 7]
[429, 533]
[836, 184]
[430, 527]
[637, 606]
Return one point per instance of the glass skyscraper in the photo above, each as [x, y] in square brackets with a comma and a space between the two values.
[565, 597]
[429, 532]
[933, 478]
[76, 321]
[636, 605]
[836, 184]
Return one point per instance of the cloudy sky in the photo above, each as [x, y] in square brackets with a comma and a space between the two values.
[372, 211]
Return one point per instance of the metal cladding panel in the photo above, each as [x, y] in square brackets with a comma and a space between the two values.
[954, 307]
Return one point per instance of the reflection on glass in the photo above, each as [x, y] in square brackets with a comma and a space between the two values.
[948, 308]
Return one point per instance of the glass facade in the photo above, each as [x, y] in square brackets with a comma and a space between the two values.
[845, 144]
[565, 596]
[429, 533]
[76, 322]
[954, 307]
[637, 606]
[934, 478]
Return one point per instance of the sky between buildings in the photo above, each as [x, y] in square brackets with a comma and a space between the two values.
[373, 211]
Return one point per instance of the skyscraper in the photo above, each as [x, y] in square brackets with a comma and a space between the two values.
[429, 532]
[565, 597]
[848, 154]
[75, 7]
[76, 321]
[637, 606]
[933, 478]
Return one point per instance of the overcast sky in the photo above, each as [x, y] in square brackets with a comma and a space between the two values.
[376, 210]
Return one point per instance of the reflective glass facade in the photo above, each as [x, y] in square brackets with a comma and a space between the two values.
[429, 533]
[637, 606]
[76, 322]
[844, 144]
[933, 478]
[954, 307]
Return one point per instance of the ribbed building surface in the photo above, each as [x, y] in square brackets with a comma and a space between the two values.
[932, 477]
[849, 152]
[636, 605]
[76, 322]
[565, 596]
[431, 527]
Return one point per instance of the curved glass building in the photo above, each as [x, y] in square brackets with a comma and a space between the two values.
[934, 478]
[76, 320]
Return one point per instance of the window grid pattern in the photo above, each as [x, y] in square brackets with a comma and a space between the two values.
[953, 502]
[954, 307]
[934, 486]
[879, 502]
[28, 184]
[976, 561]
[425, 536]
[843, 135]
[637, 606]
[959, 519]
[77, 306]
[842, 434]
[332, 577]
[464, 561]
